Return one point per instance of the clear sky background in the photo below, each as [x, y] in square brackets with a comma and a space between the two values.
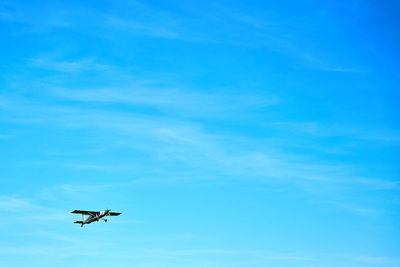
[228, 133]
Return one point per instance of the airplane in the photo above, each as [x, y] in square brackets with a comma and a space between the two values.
[94, 215]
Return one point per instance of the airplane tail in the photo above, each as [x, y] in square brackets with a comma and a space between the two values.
[81, 222]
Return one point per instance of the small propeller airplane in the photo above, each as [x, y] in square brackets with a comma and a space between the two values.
[94, 215]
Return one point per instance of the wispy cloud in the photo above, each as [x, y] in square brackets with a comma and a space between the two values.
[22, 210]
[356, 209]
[179, 140]
[174, 98]
[68, 66]
[208, 23]
[335, 130]
[16, 204]
[322, 65]
[51, 18]
[377, 260]
[340, 69]
[75, 165]
[145, 28]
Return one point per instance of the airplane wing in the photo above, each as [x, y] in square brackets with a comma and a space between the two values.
[114, 213]
[84, 212]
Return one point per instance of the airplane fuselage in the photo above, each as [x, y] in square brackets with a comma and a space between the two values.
[96, 217]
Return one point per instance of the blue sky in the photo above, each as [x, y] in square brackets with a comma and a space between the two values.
[228, 133]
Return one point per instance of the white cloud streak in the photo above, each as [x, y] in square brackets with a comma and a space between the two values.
[68, 66]
[177, 99]
[191, 144]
